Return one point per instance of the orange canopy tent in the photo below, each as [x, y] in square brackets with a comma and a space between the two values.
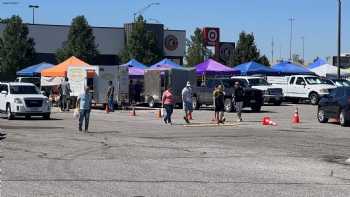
[60, 70]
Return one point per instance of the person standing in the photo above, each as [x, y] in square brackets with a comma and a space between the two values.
[238, 96]
[131, 92]
[65, 94]
[219, 104]
[138, 90]
[168, 104]
[84, 106]
[187, 101]
[110, 97]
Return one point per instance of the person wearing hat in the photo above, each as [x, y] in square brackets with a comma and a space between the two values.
[187, 101]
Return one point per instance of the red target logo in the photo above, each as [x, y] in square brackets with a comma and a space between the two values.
[171, 42]
[211, 36]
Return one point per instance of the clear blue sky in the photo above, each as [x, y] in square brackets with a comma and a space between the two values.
[315, 19]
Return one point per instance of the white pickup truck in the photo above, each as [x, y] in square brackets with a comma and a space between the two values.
[303, 87]
[23, 99]
[272, 94]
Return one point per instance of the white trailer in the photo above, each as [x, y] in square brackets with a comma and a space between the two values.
[78, 79]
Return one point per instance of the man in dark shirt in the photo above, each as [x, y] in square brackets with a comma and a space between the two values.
[65, 95]
[238, 98]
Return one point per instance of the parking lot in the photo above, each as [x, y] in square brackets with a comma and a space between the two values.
[141, 156]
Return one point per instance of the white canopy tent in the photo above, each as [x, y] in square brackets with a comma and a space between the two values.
[327, 70]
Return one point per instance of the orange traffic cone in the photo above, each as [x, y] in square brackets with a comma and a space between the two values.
[296, 117]
[266, 121]
[133, 112]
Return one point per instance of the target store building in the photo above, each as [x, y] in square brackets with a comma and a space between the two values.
[110, 41]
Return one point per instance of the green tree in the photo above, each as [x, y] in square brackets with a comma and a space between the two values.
[16, 49]
[142, 44]
[80, 42]
[297, 59]
[197, 52]
[264, 60]
[246, 51]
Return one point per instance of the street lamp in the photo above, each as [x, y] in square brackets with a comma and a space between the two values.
[291, 37]
[33, 7]
[339, 37]
[144, 9]
[303, 47]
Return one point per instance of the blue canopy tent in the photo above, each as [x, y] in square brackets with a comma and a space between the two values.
[166, 62]
[253, 68]
[317, 62]
[136, 69]
[34, 70]
[288, 68]
[134, 63]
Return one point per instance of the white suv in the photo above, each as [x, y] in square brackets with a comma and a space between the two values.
[23, 99]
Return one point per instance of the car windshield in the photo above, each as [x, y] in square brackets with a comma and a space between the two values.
[23, 89]
[258, 82]
[317, 80]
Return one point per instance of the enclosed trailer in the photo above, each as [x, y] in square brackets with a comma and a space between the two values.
[159, 79]
[99, 82]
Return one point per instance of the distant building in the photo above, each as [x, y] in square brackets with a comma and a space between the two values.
[110, 41]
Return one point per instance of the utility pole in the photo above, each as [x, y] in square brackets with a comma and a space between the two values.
[291, 37]
[33, 7]
[303, 47]
[272, 50]
[339, 37]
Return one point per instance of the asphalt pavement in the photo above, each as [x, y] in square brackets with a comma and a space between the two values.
[131, 156]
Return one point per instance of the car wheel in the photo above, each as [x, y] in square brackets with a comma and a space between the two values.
[343, 119]
[151, 103]
[47, 116]
[314, 98]
[10, 115]
[256, 108]
[195, 103]
[277, 102]
[228, 105]
[321, 117]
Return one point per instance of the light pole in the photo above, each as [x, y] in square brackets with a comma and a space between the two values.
[144, 9]
[339, 37]
[291, 37]
[33, 7]
[303, 47]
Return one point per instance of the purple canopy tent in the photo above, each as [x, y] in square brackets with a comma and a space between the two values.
[136, 72]
[212, 67]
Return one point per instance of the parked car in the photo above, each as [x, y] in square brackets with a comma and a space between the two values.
[335, 105]
[306, 87]
[23, 99]
[272, 93]
[203, 95]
